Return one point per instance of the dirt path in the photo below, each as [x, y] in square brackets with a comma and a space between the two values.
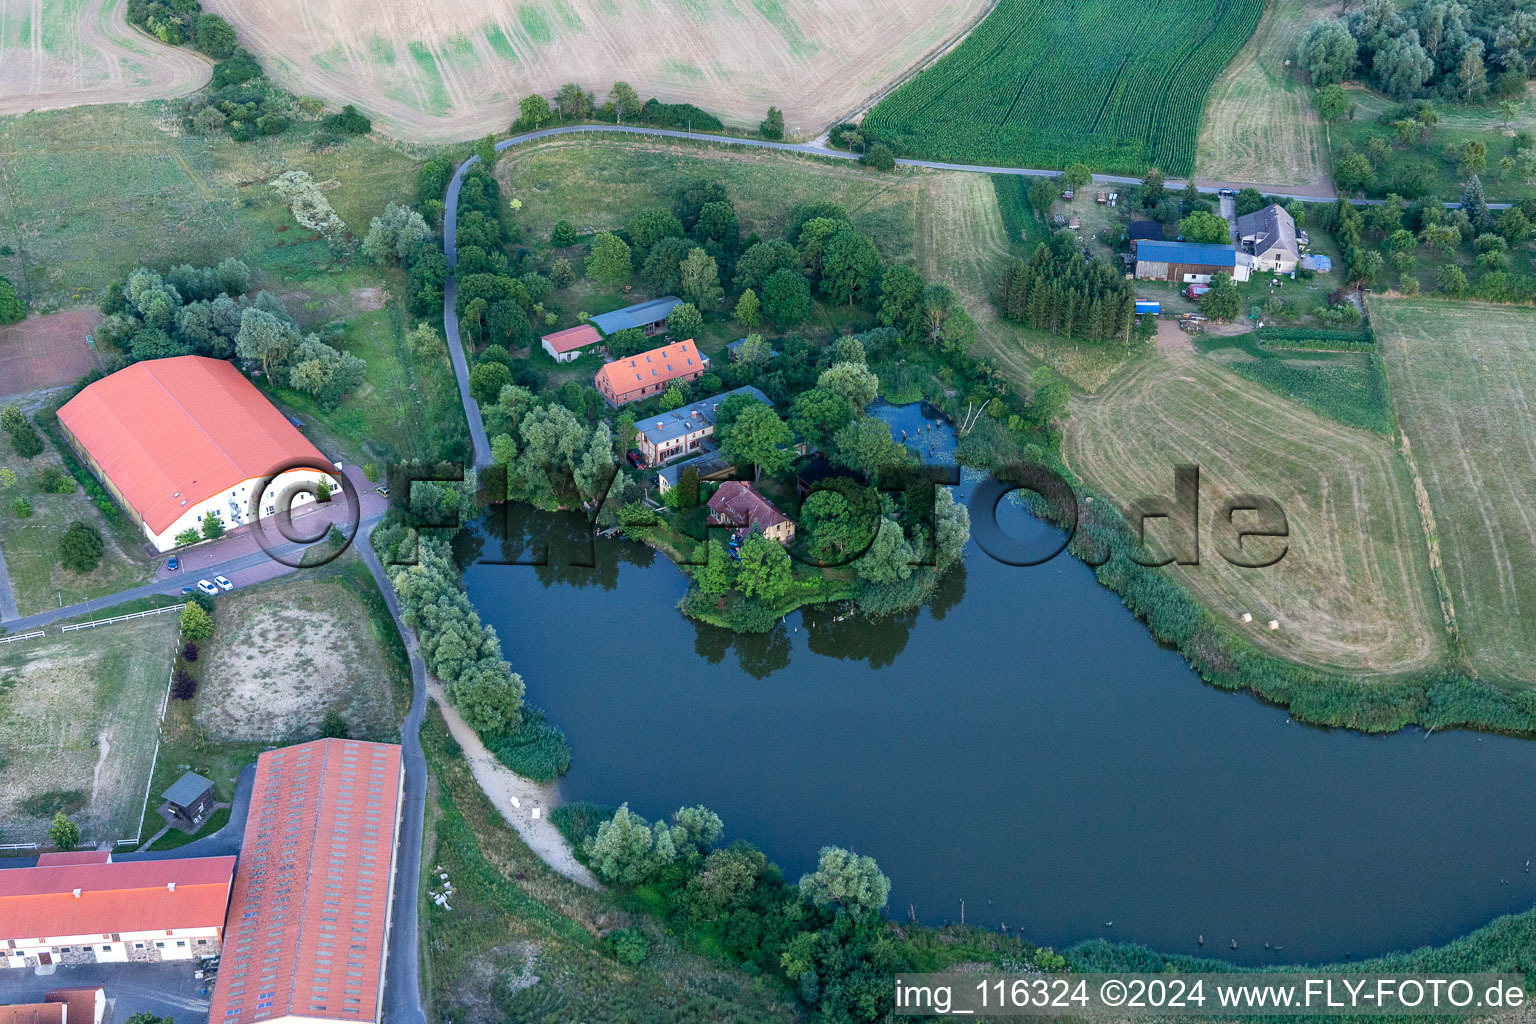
[515, 797]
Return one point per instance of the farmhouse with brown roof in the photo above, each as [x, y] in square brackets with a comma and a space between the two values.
[742, 506]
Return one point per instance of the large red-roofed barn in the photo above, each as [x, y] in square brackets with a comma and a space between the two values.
[177, 439]
[87, 908]
[309, 919]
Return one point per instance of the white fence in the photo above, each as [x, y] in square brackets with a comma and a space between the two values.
[20, 636]
[18, 846]
[122, 618]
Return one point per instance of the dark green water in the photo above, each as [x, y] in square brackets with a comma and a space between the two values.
[1022, 745]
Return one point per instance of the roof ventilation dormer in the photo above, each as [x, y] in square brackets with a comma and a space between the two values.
[77, 894]
[170, 886]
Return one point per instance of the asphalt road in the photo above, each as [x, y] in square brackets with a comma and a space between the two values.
[163, 989]
[169, 586]
[402, 979]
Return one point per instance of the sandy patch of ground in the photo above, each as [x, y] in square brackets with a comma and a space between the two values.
[280, 658]
[1172, 338]
[57, 53]
[79, 714]
[46, 351]
[502, 787]
[456, 69]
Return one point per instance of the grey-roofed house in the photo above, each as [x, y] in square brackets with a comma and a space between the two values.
[652, 316]
[667, 435]
[188, 801]
[709, 466]
[1269, 235]
[734, 348]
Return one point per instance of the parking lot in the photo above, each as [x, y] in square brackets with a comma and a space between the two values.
[165, 989]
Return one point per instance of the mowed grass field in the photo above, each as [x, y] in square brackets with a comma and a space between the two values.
[1354, 591]
[1116, 84]
[31, 545]
[1260, 124]
[59, 53]
[1463, 379]
[456, 70]
[79, 714]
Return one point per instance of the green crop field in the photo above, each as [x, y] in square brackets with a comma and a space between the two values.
[1462, 375]
[1116, 84]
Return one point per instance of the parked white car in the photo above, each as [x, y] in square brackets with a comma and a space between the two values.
[207, 588]
[223, 583]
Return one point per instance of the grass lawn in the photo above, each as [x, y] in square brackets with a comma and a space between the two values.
[88, 194]
[175, 838]
[31, 545]
[1462, 375]
[79, 713]
[1458, 125]
[1354, 589]
[596, 183]
[1260, 124]
[521, 943]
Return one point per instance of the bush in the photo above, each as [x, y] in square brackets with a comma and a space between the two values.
[537, 751]
[21, 508]
[349, 121]
[196, 623]
[12, 309]
[189, 651]
[183, 685]
[80, 547]
[333, 726]
[629, 945]
[54, 480]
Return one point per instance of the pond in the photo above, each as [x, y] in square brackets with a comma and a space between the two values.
[1021, 745]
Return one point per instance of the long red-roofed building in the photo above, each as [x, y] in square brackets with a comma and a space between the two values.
[87, 908]
[181, 438]
[309, 919]
[635, 378]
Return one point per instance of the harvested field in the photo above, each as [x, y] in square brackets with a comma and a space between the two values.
[46, 351]
[79, 714]
[1463, 379]
[1354, 591]
[1260, 124]
[64, 53]
[446, 71]
[282, 656]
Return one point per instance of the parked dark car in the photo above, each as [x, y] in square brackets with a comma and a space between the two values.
[173, 563]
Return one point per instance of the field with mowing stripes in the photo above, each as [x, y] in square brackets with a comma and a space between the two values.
[59, 53]
[1260, 123]
[1116, 84]
[1463, 379]
[1354, 591]
[433, 71]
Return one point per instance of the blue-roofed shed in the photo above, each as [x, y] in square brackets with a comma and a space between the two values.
[1187, 262]
[652, 316]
